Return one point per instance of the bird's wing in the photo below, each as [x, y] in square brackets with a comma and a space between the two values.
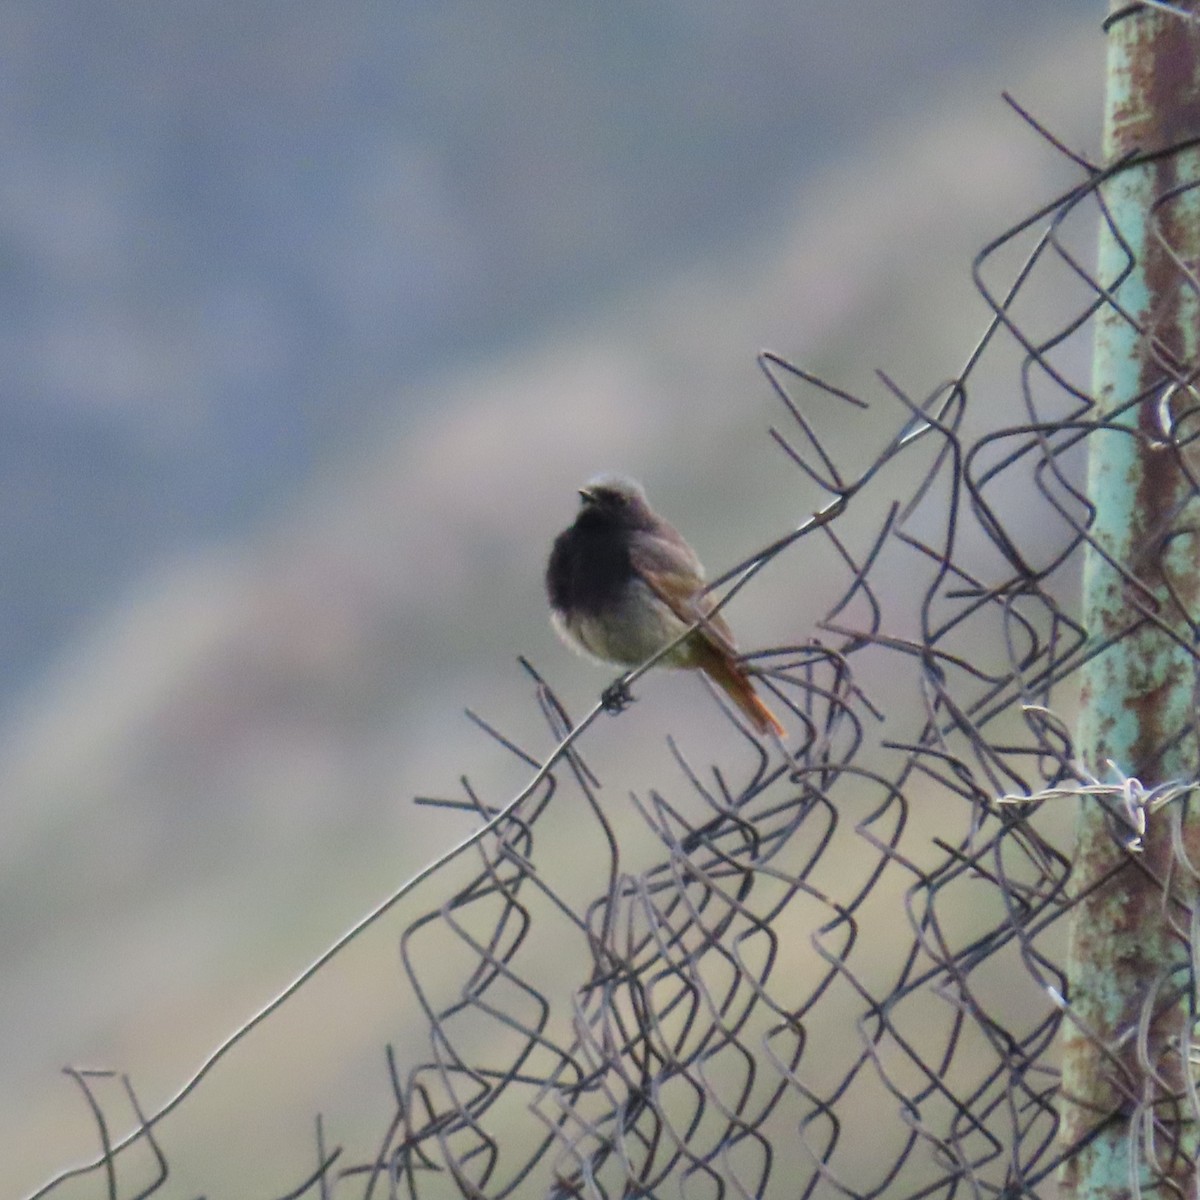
[665, 552]
[673, 573]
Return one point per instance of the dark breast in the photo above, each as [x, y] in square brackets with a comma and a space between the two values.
[588, 569]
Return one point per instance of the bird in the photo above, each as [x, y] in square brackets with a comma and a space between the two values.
[622, 583]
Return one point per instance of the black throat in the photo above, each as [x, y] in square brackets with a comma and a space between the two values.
[590, 564]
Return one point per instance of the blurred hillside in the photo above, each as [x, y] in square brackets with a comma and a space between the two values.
[227, 230]
[316, 320]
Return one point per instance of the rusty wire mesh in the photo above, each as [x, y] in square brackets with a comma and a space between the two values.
[839, 972]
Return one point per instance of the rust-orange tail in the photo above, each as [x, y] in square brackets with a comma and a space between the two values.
[723, 669]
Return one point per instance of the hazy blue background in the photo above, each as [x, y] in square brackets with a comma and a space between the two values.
[231, 229]
[313, 316]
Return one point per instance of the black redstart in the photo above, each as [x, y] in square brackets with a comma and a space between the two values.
[623, 583]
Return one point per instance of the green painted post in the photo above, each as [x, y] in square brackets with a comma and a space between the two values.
[1127, 1122]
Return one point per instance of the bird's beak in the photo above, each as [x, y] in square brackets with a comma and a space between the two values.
[587, 495]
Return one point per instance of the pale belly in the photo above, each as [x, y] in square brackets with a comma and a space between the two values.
[629, 633]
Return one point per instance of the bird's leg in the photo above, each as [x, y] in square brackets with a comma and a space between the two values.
[616, 696]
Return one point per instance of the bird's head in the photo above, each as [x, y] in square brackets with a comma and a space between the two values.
[617, 499]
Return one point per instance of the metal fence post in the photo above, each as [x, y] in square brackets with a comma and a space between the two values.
[1130, 973]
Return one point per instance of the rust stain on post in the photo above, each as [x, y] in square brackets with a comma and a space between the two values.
[1130, 980]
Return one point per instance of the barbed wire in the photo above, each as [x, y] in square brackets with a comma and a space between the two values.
[832, 966]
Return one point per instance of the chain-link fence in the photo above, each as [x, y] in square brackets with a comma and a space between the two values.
[839, 966]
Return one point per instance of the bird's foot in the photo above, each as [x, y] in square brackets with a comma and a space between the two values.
[616, 696]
